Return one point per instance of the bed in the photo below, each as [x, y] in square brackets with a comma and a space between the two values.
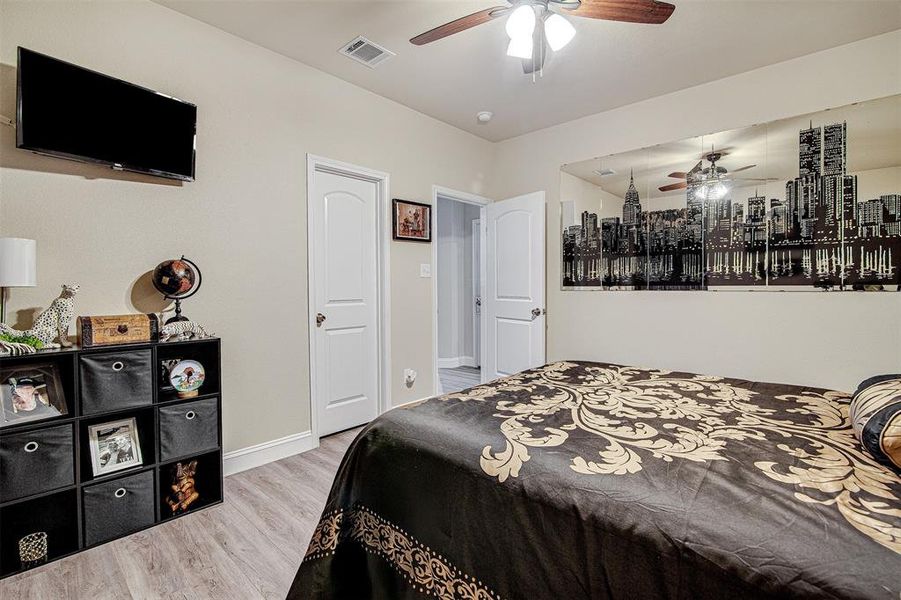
[589, 480]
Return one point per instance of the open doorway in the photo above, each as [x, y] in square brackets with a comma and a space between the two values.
[457, 290]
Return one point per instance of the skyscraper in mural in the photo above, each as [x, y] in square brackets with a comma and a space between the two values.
[623, 244]
[631, 204]
[582, 252]
[809, 151]
[835, 149]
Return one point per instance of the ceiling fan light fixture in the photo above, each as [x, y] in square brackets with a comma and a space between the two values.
[520, 47]
[521, 22]
[559, 31]
[711, 190]
[718, 191]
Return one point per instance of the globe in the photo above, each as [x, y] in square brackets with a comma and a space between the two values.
[176, 278]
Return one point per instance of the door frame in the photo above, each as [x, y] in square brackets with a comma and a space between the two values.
[383, 243]
[456, 196]
[477, 268]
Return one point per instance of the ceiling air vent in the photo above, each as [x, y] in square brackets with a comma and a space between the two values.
[366, 52]
[604, 172]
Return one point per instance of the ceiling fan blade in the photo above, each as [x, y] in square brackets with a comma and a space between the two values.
[745, 168]
[629, 11]
[678, 175]
[674, 186]
[458, 25]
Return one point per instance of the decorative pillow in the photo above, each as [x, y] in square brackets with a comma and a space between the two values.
[876, 418]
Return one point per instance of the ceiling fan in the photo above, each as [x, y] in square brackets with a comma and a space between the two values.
[710, 182]
[530, 42]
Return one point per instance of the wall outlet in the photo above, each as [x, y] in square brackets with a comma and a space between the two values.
[425, 270]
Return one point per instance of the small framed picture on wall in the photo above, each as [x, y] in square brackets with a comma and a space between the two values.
[412, 221]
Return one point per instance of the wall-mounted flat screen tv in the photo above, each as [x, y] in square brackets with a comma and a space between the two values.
[67, 111]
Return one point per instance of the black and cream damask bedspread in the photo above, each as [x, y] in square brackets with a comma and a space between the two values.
[586, 480]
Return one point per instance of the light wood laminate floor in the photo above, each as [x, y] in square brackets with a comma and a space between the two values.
[247, 548]
[459, 379]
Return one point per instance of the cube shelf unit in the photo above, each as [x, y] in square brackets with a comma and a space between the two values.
[47, 482]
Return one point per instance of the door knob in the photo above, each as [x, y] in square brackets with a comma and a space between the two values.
[537, 312]
[319, 319]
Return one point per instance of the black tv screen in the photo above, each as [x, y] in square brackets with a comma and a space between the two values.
[71, 112]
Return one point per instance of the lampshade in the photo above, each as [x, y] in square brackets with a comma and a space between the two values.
[521, 22]
[558, 31]
[18, 262]
[520, 47]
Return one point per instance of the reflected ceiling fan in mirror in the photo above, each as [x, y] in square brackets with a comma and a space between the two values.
[533, 26]
[711, 182]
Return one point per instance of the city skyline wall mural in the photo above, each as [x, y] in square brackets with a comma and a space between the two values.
[806, 203]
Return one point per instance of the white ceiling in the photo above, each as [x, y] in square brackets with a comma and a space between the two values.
[607, 65]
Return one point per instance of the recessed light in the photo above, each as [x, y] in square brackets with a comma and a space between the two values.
[484, 116]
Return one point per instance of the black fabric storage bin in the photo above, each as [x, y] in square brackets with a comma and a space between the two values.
[36, 461]
[116, 380]
[189, 428]
[117, 507]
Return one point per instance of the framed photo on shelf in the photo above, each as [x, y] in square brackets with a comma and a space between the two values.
[412, 221]
[114, 446]
[31, 393]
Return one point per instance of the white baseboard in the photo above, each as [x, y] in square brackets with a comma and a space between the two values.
[267, 452]
[402, 404]
[457, 361]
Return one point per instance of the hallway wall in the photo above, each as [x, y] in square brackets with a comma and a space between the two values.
[455, 306]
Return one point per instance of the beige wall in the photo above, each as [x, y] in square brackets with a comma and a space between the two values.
[244, 219]
[831, 340]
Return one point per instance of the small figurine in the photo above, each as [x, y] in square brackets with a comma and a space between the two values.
[183, 492]
[10, 347]
[52, 323]
[183, 330]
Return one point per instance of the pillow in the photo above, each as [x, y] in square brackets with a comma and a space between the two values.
[876, 418]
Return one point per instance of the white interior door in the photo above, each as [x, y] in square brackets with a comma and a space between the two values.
[344, 318]
[513, 298]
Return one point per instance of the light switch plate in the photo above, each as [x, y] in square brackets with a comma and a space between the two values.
[425, 270]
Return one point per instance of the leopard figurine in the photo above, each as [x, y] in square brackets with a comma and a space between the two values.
[53, 322]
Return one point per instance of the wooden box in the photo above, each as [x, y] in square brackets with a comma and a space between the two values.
[118, 329]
